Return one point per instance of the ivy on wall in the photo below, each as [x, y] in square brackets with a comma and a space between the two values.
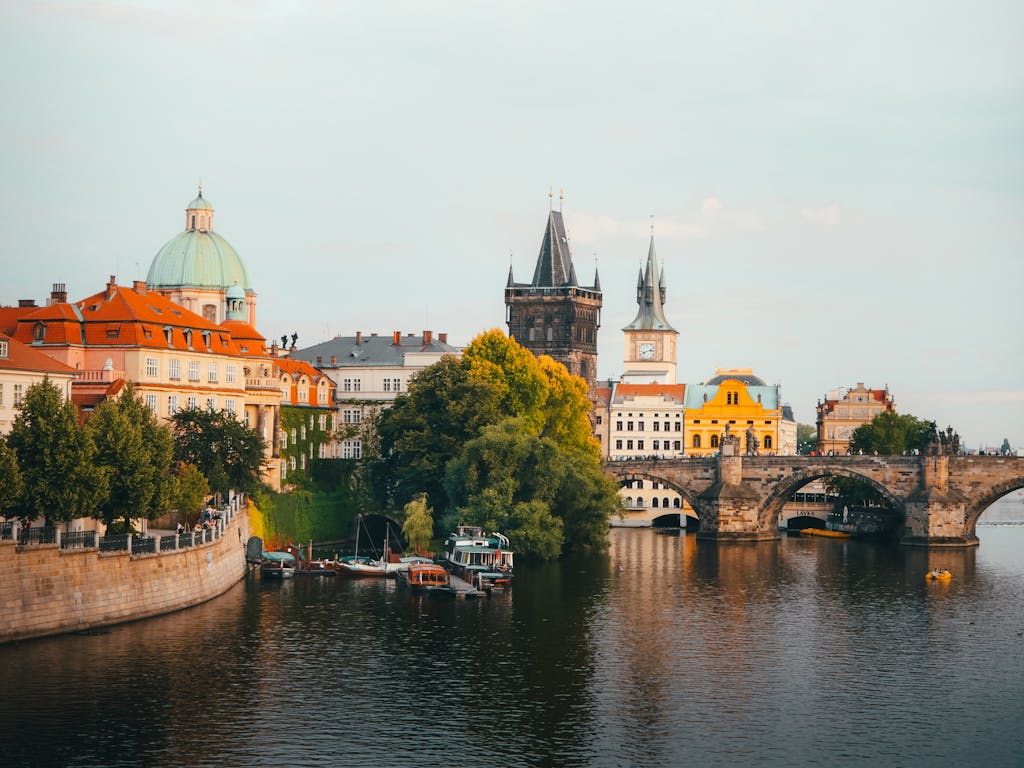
[305, 430]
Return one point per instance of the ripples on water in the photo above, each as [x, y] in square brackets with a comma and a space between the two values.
[665, 651]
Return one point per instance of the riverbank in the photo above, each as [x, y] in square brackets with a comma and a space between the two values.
[47, 589]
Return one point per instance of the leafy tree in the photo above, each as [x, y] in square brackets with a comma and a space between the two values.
[1005, 447]
[11, 485]
[513, 480]
[806, 438]
[57, 458]
[890, 434]
[136, 451]
[190, 491]
[418, 527]
[228, 453]
[426, 427]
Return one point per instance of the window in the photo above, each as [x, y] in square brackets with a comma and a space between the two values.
[696, 441]
[193, 370]
[151, 404]
[677, 502]
[618, 426]
[152, 369]
[211, 404]
[303, 393]
[229, 406]
[295, 436]
[192, 402]
[654, 502]
[677, 445]
[284, 439]
[600, 419]
[714, 441]
[346, 385]
[357, 385]
[396, 385]
[629, 445]
[352, 416]
[639, 445]
[172, 405]
[211, 372]
[19, 392]
[767, 442]
[351, 449]
[303, 431]
[657, 426]
[291, 461]
[229, 374]
[618, 445]
[173, 371]
[667, 426]
[639, 426]
[321, 395]
[323, 421]
[302, 463]
[629, 426]
[284, 469]
[3, 348]
[656, 445]
[387, 385]
[679, 426]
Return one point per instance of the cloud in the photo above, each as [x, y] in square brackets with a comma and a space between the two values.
[829, 216]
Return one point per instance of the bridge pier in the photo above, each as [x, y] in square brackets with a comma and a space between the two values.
[730, 509]
[936, 516]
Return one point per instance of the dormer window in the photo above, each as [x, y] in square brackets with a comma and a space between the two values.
[3, 349]
[168, 335]
[39, 331]
[188, 338]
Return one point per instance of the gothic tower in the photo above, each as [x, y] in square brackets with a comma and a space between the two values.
[650, 353]
[554, 315]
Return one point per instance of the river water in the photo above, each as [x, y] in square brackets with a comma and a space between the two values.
[665, 651]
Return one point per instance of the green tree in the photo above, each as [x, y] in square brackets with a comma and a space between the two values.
[190, 491]
[806, 438]
[891, 434]
[418, 527]
[11, 485]
[228, 453]
[425, 428]
[136, 452]
[57, 458]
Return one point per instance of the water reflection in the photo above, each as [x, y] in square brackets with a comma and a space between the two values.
[662, 651]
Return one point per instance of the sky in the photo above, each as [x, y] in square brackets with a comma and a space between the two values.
[837, 189]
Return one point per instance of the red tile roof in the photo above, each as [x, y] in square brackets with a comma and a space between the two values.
[23, 358]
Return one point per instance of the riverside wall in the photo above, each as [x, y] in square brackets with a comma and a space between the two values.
[48, 591]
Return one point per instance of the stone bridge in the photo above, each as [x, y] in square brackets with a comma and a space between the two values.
[940, 498]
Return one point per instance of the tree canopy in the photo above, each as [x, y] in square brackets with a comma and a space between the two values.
[891, 434]
[136, 453]
[418, 527]
[11, 484]
[56, 458]
[501, 439]
[228, 453]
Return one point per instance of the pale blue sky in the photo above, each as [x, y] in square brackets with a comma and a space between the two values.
[838, 188]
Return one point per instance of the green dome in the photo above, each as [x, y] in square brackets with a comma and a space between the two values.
[200, 204]
[196, 259]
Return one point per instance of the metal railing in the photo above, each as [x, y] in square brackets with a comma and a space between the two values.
[168, 543]
[6, 530]
[143, 544]
[43, 534]
[116, 543]
[78, 540]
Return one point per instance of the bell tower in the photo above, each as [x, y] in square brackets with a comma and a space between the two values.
[553, 314]
[650, 350]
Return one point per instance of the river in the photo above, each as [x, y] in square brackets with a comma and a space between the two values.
[664, 651]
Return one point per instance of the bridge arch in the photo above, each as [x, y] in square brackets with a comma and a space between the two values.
[771, 508]
[627, 477]
[979, 504]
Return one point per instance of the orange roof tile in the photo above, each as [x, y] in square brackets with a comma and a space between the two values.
[23, 358]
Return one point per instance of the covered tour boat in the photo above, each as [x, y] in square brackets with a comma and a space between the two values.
[277, 565]
[482, 559]
[425, 577]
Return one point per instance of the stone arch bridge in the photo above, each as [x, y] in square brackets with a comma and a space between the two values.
[740, 497]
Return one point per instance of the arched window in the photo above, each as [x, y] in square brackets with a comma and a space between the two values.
[654, 502]
[664, 502]
[677, 503]
[767, 442]
[728, 398]
[696, 441]
[714, 441]
[629, 501]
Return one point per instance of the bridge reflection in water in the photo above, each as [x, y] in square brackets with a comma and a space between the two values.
[937, 498]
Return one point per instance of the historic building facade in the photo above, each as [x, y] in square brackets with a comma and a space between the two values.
[308, 419]
[369, 371]
[840, 413]
[553, 314]
[20, 368]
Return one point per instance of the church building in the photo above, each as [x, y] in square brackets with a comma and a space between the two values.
[553, 314]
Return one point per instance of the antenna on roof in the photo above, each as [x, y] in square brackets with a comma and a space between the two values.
[561, 199]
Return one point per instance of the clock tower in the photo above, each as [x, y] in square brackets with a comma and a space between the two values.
[650, 351]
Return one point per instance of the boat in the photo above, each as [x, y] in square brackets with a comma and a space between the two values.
[277, 565]
[824, 532]
[425, 577]
[938, 574]
[482, 559]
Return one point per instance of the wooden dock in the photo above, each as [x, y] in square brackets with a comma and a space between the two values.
[462, 588]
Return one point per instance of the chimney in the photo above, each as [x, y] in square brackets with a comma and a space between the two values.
[443, 338]
[359, 337]
[397, 339]
[59, 294]
[334, 361]
[111, 286]
[26, 302]
[139, 286]
[427, 337]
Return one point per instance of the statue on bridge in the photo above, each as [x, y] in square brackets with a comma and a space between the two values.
[941, 443]
[753, 444]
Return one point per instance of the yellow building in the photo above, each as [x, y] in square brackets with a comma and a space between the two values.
[736, 399]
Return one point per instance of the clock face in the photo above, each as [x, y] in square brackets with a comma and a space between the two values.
[646, 350]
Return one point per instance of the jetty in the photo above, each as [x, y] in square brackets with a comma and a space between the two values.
[462, 589]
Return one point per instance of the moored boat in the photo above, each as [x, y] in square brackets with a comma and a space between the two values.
[482, 559]
[425, 577]
[277, 565]
[938, 574]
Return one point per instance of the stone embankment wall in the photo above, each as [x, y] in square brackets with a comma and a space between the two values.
[48, 591]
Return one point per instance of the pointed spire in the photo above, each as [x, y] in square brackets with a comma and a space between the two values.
[650, 295]
[554, 262]
[510, 282]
